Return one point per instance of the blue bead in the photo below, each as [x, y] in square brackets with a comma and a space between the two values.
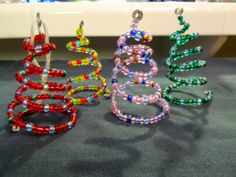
[143, 82]
[148, 54]
[165, 112]
[46, 107]
[159, 118]
[143, 54]
[51, 130]
[114, 81]
[137, 38]
[25, 40]
[38, 48]
[147, 61]
[90, 76]
[129, 98]
[133, 32]
[118, 66]
[137, 121]
[18, 92]
[28, 127]
[26, 65]
[146, 121]
[131, 74]
[77, 44]
[25, 81]
[129, 120]
[69, 125]
[25, 103]
[45, 71]
[122, 45]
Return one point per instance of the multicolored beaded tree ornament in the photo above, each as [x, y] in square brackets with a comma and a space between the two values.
[91, 60]
[137, 54]
[33, 104]
[180, 39]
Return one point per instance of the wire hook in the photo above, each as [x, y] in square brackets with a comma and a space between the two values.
[39, 21]
[179, 11]
[81, 24]
[137, 15]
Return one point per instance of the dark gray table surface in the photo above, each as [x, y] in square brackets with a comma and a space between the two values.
[193, 142]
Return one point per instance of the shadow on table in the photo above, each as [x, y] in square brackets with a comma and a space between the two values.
[116, 166]
[17, 148]
[181, 137]
[106, 167]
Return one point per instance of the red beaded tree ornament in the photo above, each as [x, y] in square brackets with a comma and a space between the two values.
[33, 104]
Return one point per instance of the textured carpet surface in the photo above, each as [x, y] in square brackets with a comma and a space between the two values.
[193, 142]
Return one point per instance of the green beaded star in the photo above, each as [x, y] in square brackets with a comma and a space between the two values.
[180, 39]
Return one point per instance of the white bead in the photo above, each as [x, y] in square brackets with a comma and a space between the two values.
[15, 129]
[45, 86]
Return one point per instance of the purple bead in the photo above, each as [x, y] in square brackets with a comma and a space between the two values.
[122, 45]
[129, 98]
[133, 32]
[114, 81]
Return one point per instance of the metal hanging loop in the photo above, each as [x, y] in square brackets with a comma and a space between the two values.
[39, 21]
[179, 11]
[137, 15]
[81, 25]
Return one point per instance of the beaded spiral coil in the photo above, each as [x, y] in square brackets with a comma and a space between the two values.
[91, 60]
[180, 39]
[136, 54]
[33, 104]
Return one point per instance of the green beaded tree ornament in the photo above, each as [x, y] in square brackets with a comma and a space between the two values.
[179, 39]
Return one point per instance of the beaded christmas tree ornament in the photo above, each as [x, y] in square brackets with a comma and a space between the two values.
[139, 53]
[38, 46]
[179, 39]
[91, 60]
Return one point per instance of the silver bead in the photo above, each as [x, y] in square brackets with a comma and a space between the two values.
[25, 81]
[45, 72]
[45, 86]
[25, 103]
[69, 125]
[52, 130]
[10, 110]
[64, 107]
[28, 127]
[26, 64]
[46, 108]
[15, 129]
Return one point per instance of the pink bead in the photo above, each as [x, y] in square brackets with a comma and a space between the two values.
[134, 53]
[134, 99]
[136, 74]
[139, 100]
[114, 86]
[117, 61]
[133, 120]
[154, 70]
[115, 70]
[113, 106]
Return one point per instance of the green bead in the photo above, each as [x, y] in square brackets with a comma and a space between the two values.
[180, 39]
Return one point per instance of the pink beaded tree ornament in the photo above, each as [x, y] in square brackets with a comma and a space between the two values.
[139, 53]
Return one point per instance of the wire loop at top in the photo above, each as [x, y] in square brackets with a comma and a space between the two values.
[179, 11]
[137, 15]
[81, 24]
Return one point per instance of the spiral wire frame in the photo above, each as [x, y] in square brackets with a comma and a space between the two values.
[30, 103]
[179, 39]
[79, 47]
[139, 53]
